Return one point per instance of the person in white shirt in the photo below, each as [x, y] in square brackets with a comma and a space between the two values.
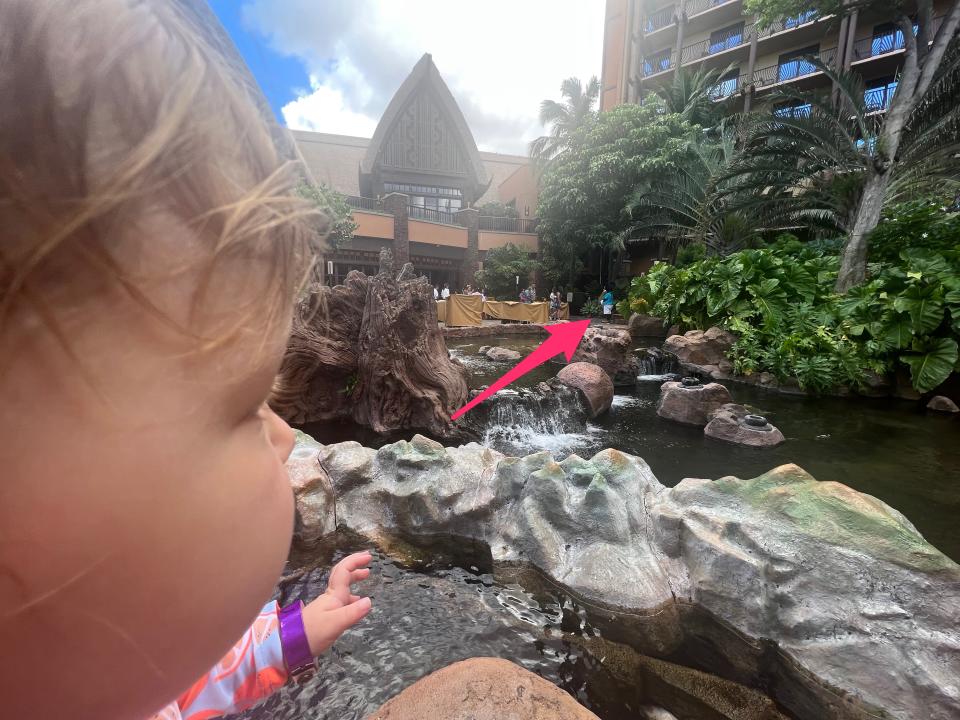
[446, 291]
[436, 293]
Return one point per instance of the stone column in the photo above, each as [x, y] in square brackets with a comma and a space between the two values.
[396, 204]
[681, 27]
[470, 219]
[851, 40]
[748, 95]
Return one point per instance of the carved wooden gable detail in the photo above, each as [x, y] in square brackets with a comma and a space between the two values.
[424, 138]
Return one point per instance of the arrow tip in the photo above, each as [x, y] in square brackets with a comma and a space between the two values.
[568, 336]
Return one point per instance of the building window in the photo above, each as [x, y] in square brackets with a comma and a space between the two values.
[726, 87]
[878, 94]
[657, 62]
[728, 37]
[794, 64]
[793, 111]
[887, 38]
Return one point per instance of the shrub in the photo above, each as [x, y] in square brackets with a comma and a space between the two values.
[591, 308]
[501, 266]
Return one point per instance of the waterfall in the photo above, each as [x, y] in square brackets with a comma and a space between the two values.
[656, 365]
[527, 420]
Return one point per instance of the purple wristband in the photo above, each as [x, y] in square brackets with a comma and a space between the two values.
[293, 639]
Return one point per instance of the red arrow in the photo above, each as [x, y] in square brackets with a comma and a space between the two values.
[564, 338]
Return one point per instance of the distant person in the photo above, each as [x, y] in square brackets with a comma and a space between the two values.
[436, 293]
[555, 304]
[607, 301]
[445, 293]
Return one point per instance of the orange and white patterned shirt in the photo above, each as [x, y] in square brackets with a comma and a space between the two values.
[249, 672]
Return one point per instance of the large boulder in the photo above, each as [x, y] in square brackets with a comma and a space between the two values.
[483, 689]
[699, 347]
[609, 348]
[371, 350]
[941, 403]
[500, 354]
[640, 325]
[827, 596]
[691, 405]
[734, 424]
[593, 382]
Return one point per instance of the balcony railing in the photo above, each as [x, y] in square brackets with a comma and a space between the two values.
[438, 216]
[508, 224]
[712, 46]
[790, 23]
[879, 98]
[698, 6]
[363, 203]
[888, 42]
[657, 64]
[792, 69]
[726, 88]
[660, 19]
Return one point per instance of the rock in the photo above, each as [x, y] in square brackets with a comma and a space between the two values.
[830, 591]
[312, 491]
[483, 350]
[640, 325]
[589, 379]
[691, 405]
[903, 385]
[502, 354]
[371, 350]
[673, 330]
[701, 347]
[728, 424]
[875, 385]
[767, 379]
[482, 689]
[941, 403]
[610, 349]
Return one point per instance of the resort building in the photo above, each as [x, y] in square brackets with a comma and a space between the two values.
[416, 184]
[645, 44]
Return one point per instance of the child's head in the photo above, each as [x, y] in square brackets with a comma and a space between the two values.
[150, 252]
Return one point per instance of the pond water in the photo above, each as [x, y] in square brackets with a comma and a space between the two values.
[429, 615]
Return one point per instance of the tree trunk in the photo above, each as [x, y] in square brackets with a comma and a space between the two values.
[853, 267]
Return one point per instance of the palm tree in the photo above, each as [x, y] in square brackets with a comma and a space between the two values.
[809, 161]
[694, 95]
[564, 117]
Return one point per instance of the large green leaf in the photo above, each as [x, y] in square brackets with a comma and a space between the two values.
[925, 305]
[899, 332]
[926, 262]
[929, 369]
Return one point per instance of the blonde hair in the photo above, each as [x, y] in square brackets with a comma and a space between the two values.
[116, 114]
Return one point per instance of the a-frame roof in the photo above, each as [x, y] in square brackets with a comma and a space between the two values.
[425, 72]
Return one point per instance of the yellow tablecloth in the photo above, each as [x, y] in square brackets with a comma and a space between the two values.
[464, 310]
[441, 310]
[538, 312]
[564, 311]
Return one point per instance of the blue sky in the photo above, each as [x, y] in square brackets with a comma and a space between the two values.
[333, 65]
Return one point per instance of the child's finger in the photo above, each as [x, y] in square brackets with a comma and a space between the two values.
[356, 560]
[350, 615]
[358, 575]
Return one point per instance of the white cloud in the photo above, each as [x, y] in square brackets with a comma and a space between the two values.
[499, 58]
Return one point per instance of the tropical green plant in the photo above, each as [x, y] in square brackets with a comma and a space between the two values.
[923, 223]
[591, 308]
[564, 118]
[337, 225]
[501, 267]
[691, 94]
[780, 302]
[498, 209]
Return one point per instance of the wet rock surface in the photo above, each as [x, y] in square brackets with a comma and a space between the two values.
[593, 382]
[692, 404]
[641, 325]
[371, 350]
[609, 348]
[941, 403]
[734, 424]
[500, 354]
[483, 689]
[701, 347]
[830, 591]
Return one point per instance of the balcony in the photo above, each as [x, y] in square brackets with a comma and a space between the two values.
[790, 23]
[716, 45]
[696, 7]
[792, 70]
[877, 99]
[659, 20]
[508, 224]
[727, 87]
[363, 203]
[656, 64]
[886, 43]
[438, 216]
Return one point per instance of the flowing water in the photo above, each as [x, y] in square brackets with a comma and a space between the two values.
[428, 615]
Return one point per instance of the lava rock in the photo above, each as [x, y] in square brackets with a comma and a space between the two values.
[942, 403]
[700, 347]
[610, 349]
[502, 354]
[641, 325]
[595, 385]
[312, 491]
[728, 424]
[482, 689]
[691, 405]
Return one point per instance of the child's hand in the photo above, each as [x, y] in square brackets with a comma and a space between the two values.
[326, 618]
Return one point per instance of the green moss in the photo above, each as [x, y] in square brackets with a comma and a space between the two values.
[836, 514]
